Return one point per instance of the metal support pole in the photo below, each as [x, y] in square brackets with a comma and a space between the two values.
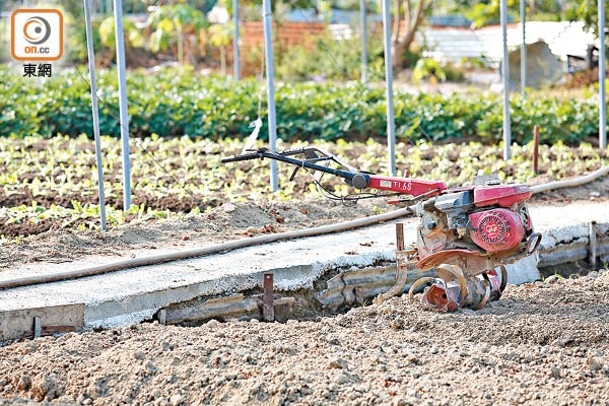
[237, 62]
[364, 30]
[270, 88]
[399, 236]
[95, 113]
[122, 93]
[389, 84]
[507, 131]
[523, 49]
[602, 106]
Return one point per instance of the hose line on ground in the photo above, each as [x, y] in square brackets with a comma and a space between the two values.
[244, 243]
[589, 178]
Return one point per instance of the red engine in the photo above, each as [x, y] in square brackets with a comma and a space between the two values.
[474, 226]
[496, 230]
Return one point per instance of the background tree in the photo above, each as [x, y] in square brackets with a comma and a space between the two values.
[107, 34]
[586, 11]
[488, 11]
[220, 35]
[180, 25]
[412, 13]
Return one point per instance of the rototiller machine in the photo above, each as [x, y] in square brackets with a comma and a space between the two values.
[464, 235]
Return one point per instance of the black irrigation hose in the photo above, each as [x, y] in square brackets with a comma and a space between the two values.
[250, 242]
[589, 178]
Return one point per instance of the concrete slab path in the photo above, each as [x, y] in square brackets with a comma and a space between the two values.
[136, 294]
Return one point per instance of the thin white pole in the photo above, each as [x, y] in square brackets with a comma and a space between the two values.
[270, 88]
[507, 131]
[389, 85]
[523, 50]
[602, 106]
[237, 62]
[95, 113]
[364, 30]
[122, 93]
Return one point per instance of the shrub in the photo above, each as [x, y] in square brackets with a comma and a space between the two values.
[331, 58]
[435, 71]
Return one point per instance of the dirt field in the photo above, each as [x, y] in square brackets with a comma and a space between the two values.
[542, 343]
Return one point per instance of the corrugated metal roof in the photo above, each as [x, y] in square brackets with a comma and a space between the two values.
[453, 44]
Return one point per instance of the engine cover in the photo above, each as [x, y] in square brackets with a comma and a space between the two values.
[496, 230]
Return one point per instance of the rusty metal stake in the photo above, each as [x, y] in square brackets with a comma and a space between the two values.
[399, 242]
[536, 150]
[268, 311]
[37, 326]
[399, 236]
[592, 250]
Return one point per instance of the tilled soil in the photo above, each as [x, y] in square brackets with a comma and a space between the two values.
[542, 343]
[228, 222]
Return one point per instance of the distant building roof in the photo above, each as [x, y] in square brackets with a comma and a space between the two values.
[337, 16]
[454, 43]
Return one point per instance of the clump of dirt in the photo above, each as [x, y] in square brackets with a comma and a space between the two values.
[545, 343]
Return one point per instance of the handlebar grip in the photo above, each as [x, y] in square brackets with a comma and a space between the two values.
[244, 157]
[293, 152]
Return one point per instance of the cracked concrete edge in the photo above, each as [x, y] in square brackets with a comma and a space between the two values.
[129, 309]
[566, 235]
[570, 244]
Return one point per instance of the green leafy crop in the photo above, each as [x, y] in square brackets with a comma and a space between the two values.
[177, 102]
[47, 183]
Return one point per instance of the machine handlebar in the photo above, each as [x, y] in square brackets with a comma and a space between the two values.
[359, 180]
[244, 157]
